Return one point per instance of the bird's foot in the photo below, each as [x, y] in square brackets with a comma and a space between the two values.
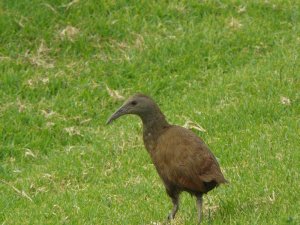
[170, 216]
[169, 219]
[199, 221]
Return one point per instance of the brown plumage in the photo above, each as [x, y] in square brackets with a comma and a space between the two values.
[182, 159]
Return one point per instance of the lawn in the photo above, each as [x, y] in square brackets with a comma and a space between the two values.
[230, 66]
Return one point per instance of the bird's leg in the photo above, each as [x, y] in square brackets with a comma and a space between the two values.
[175, 201]
[174, 195]
[199, 207]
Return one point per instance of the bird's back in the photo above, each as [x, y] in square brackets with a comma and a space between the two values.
[184, 161]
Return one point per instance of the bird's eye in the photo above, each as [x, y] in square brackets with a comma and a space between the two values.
[133, 103]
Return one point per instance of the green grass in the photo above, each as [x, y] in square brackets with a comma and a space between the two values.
[224, 64]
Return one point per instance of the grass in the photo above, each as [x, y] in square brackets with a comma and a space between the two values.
[231, 66]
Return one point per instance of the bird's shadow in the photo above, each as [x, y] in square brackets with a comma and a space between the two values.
[212, 214]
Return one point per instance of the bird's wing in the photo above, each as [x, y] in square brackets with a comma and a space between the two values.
[187, 161]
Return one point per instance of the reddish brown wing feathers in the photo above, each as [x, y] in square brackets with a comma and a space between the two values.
[186, 161]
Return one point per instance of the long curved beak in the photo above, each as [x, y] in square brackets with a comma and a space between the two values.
[120, 112]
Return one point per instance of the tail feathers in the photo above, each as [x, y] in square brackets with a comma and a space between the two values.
[225, 181]
[219, 179]
[222, 180]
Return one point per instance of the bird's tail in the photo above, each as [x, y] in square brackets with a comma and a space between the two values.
[224, 181]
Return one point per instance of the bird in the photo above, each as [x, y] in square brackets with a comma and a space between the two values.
[182, 159]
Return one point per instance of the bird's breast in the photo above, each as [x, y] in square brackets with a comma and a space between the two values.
[149, 141]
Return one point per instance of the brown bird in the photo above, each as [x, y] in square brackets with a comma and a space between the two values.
[182, 159]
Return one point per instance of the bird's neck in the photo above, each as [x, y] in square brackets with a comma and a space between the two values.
[154, 124]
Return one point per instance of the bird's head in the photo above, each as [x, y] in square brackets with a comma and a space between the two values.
[138, 104]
